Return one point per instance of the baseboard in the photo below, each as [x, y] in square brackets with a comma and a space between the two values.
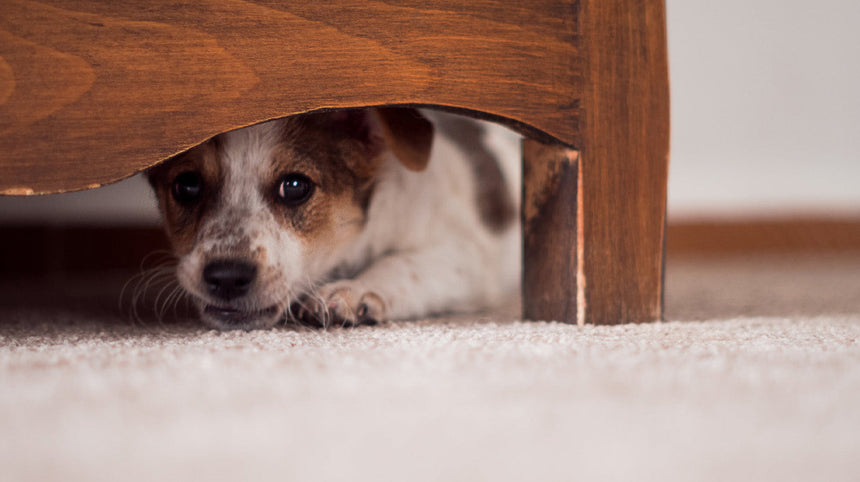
[45, 250]
[798, 235]
[42, 250]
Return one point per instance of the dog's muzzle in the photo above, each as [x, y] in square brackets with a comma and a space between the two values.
[228, 281]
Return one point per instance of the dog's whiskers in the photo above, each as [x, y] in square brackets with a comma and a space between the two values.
[304, 302]
[321, 310]
[171, 301]
[160, 305]
[135, 290]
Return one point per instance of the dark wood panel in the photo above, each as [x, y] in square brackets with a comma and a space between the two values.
[551, 282]
[92, 91]
[43, 250]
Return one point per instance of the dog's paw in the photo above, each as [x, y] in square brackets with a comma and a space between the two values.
[342, 303]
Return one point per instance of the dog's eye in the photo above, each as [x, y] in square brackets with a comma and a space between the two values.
[187, 187]
[295, 189]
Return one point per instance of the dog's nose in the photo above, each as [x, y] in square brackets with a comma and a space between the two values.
[228, 279]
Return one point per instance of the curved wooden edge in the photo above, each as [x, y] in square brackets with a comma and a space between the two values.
[594, 219]
[91, 92]
[523, 128]
[520, 126]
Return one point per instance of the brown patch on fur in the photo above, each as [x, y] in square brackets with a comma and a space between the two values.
[495, 204]
[183, 222]
[258, 255]
[409, 135]
[339, 153]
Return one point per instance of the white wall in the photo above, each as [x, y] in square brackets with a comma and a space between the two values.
[129, 202]
[765, 117]
[765, 107]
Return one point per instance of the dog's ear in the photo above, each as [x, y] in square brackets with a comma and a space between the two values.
[403, 131]
[408, 134]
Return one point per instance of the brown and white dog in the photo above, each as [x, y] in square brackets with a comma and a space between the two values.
[344, 218]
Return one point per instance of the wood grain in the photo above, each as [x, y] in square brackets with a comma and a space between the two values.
[551, 261]
[624, 143]
[594, 229]
[796, 235]
[93, 91]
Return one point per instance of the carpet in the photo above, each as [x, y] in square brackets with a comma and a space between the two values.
[755, 376]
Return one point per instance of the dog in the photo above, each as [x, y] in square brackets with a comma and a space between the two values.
[343, 218]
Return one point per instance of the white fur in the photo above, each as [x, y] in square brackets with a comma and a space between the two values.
[423, 248]
[242, 215]
[427, 224]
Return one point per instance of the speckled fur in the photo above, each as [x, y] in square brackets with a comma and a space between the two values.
[376, 241]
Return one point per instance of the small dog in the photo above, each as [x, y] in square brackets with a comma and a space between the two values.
[344, 218]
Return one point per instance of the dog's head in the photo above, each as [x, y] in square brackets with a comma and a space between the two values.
[257, 216]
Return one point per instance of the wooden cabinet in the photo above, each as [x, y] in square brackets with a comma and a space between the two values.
[93, 91]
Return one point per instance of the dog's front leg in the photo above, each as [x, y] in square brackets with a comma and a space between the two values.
[408, 285]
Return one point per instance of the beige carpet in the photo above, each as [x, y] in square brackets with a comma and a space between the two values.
[756, 377]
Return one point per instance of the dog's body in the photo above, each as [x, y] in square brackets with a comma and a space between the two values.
[346, 217]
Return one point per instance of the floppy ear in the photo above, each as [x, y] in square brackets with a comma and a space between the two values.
[404, 131]
[408, 134]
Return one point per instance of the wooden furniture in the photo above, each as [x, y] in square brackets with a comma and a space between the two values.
[93, 91]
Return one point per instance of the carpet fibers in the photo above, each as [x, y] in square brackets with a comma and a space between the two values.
[756, 376]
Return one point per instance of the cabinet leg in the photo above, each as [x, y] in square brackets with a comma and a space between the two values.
[592, 242]
[551, 278]
[624, 146]
[594, 223]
